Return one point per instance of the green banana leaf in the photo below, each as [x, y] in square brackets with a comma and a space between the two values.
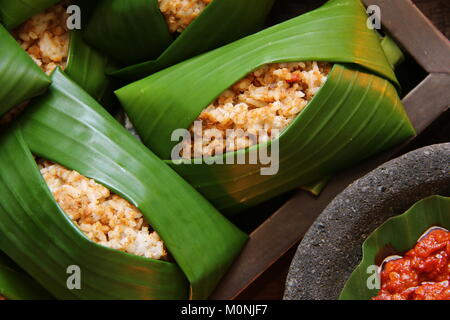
[317, 187]
[356, 114]
[14, 12]
[20, 78]
[17, 285]
[116, 26]
[399, 233]
[69, 127]
[128, 31]
[87, 67]
[393, 53]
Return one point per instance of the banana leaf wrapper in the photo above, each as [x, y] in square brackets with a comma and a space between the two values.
[87, 67]
[356, 114]
[399, 233]
[69, 127]
[15, 12]
[136, 34]
[15, 284]
[20, 78]
[393, 53]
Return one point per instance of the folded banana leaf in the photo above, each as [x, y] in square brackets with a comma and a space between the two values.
[87, 67]
[14, 12]
[16, 284]
[69, 127]
[393, 53]
[400, 234]
[20, 78]
[356, 114]
[135, 32]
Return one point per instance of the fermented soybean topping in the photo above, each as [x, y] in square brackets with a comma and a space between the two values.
[422, 274]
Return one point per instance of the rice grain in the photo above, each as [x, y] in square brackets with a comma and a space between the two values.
[179, 14]
[266, 100]
[101, 215]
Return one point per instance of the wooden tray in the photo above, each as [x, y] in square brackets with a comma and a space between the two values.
[424, 103]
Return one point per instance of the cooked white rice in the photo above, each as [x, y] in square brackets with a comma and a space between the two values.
[45, 37]
[102, 216]
[180, 13]
[267, 99]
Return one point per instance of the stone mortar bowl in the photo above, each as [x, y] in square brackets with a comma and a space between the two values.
[332, 248]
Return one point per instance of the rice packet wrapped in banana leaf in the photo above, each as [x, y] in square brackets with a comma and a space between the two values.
[90, 213]
[145, 36]
[49, 32]
[284, 108]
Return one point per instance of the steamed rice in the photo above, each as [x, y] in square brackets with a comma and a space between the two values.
[180, 13]
[266, 100]
[45, 37]
[102, 216]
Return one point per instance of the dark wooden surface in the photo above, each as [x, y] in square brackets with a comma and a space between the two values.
[438, 11]
[270, 285]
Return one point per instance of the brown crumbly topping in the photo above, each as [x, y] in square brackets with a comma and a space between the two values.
[45, 37]
[265, 102]
[180, 13]
[101, 215]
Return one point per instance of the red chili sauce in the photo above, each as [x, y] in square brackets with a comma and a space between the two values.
[422, 274]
